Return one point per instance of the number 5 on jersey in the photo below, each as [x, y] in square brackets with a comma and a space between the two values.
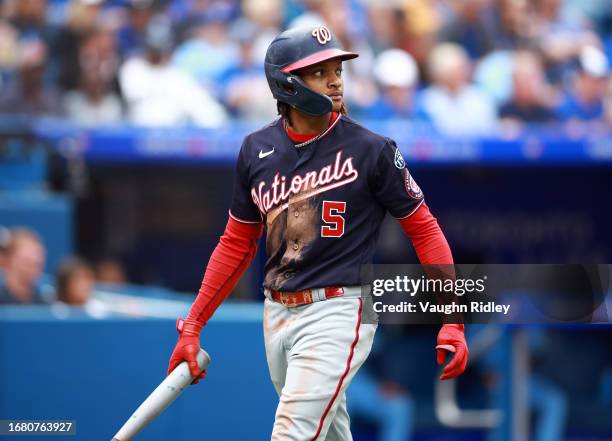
[331, 215]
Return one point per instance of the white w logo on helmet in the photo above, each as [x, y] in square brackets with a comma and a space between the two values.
[322, 34]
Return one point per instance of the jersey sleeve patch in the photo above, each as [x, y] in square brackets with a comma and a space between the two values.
[392, 184]
[412, 187]
[398, 159]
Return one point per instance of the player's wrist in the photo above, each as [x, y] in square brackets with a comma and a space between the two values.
[189, 327]
[458, 326]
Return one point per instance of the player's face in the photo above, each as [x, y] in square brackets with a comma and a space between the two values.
[326, 79]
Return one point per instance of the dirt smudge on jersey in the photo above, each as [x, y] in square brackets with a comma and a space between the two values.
[275, 231]
[289, 233]
[302, 227]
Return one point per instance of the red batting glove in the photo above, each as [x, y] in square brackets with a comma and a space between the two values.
[187, 348]
[452, 339]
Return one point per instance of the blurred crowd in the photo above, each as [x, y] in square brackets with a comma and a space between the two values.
[465, 66]
[23, 281]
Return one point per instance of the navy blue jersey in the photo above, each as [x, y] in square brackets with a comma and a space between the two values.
[323, 205]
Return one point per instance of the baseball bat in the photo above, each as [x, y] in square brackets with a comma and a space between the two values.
[168, 391]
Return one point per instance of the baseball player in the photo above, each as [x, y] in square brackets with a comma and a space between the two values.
[320, 184]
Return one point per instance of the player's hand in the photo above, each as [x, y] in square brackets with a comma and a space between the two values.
[452, 339]
[187, 348]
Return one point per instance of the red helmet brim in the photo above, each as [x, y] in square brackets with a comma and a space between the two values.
[318, 57]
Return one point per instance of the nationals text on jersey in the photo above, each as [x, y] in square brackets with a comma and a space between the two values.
[314, 182]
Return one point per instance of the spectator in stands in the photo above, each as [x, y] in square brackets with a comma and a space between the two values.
[131, 36]
[558, 29]
[267, 15]
[82, 19]
[381, 32]
[159, 94]
[75, 285]
[419, 24]
[584, 101]
[493, 75]
[74, 282]
[455, 106]
[408, 25]
[209, 40]
[531, 95]
[186, 12]
[246, 87]
[25, 261]
[338, 15]
[29, 18]
[511, 23]
[312, 15]
[94, 102]
[469, 29]
[9, 41]
[397, 75]
[27, 93]
[559, 39]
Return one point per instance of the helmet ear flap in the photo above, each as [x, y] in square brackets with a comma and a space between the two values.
[292, 90]
[282, 85]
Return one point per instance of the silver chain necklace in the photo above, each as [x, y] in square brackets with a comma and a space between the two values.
[305, 143]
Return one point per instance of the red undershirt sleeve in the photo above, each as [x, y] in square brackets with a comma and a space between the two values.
[427, 238]
[433, 251]
[231, 257]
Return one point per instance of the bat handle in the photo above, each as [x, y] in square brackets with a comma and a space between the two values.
[172, 386]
